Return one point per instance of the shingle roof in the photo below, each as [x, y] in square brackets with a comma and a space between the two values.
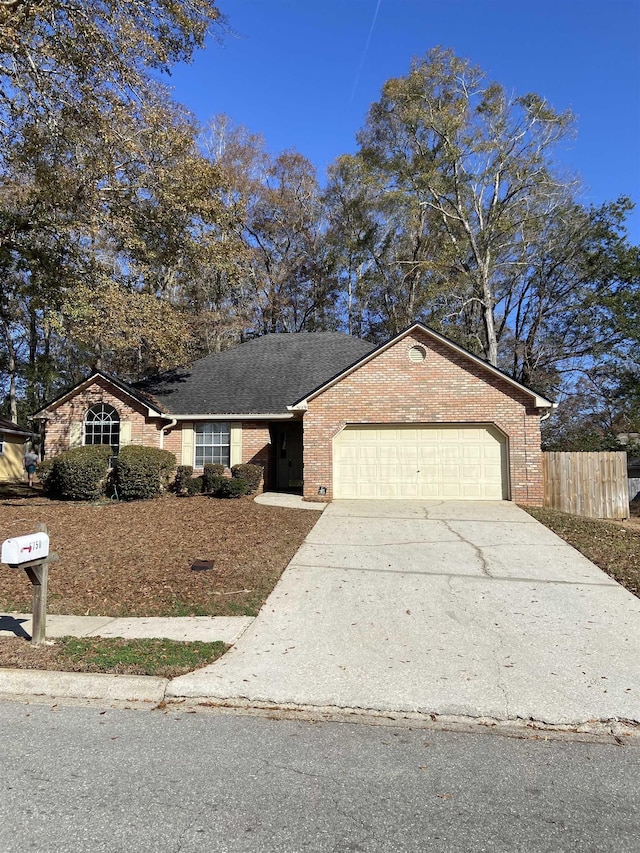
[262, 376]
[11, 427]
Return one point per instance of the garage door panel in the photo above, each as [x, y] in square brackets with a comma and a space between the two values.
[430, 462]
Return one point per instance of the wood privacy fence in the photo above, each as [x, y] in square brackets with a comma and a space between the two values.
[634, 488]
[589, 484]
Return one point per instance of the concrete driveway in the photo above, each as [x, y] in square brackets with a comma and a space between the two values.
[451, 607]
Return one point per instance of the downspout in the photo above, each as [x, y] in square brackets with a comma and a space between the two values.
[170, 425]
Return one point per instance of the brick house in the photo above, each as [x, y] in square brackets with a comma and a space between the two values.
[330, 416]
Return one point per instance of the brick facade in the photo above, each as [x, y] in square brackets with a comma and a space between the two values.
[446, 388]
[73, 410]
[145, 430]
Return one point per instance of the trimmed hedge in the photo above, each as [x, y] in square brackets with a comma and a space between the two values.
[233, 487]
[79, 474]
[212, 474]
[140, 472]
[251, 474]
[183, 474]
[194, 486]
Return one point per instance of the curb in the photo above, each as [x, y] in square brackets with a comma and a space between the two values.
[81, 685]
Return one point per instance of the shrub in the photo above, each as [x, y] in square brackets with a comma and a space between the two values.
[79, 474]
[142, 472]
[194, 486]
[183, 475]
[232, 487]
[44, 471]
[211, 477]
[251, 474]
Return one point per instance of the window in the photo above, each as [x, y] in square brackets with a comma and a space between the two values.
[212, 444]
[102, 426]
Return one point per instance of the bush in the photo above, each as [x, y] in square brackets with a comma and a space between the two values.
[251, 474]
[232, 488]
[142, 472]
[44, 471]
[79, 474]
[212, 476]
[194, 486]
[183, 475]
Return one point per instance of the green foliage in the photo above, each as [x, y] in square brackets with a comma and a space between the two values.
[193, 486]
[79, 474]
[166, 658]
[142, 472]
[232, 487]
[211, 476]
[44, 470]
[183, 474]
[583, 441]
[251, 474]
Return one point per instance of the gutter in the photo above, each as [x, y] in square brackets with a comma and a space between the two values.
[170, 425]
[280, 416]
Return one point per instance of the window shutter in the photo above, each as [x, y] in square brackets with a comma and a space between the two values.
[75, 434]
[187, 444]
[125, 433]
[236, 444]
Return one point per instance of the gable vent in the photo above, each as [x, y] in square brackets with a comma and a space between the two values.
[417, 355]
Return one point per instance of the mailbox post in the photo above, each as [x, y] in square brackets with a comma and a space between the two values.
[31, 553]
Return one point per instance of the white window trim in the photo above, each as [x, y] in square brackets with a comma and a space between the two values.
[197, 446]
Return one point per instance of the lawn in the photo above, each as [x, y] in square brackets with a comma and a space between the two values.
[613, 546]
[163, 658]
[134, 559]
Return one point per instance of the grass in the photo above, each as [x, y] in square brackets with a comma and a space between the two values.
[612, 546]
[163, 658]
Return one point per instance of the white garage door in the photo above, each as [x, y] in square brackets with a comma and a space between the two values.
[443, 461]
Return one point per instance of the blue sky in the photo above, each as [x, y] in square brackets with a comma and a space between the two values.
[296, 71]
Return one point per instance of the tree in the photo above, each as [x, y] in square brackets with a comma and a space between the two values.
[454, 213]
[102, 182]
[282, 283]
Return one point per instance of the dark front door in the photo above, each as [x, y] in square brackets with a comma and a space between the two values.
[287, 447]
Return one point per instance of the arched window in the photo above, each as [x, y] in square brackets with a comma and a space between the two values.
[102, 426]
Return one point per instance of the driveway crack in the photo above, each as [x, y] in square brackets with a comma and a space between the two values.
[477, 549]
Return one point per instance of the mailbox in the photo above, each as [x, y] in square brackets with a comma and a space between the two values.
[25, 549]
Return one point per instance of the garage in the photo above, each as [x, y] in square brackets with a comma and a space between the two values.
[435, 461]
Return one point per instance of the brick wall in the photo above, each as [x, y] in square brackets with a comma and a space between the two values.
[256, 445]
[73, 410]
[446, 388]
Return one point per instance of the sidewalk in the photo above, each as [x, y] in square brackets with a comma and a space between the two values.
[208, 629]
[25, 683]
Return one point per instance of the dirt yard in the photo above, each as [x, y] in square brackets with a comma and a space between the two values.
[134, 559]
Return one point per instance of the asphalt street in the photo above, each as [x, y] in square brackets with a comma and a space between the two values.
[84, 779]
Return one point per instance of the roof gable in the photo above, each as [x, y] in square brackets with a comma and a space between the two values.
[127, 389]
[539, 400]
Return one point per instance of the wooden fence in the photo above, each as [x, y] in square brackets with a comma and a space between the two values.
[634, 488]
[589, 484]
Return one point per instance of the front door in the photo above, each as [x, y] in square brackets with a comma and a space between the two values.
[287, 446]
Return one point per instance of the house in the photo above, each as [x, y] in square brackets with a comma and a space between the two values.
[12, 442]
[329, 415]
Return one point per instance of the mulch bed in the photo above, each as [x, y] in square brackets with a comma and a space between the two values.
[134, 559]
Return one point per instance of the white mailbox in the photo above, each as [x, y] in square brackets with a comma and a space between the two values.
[23, 549]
